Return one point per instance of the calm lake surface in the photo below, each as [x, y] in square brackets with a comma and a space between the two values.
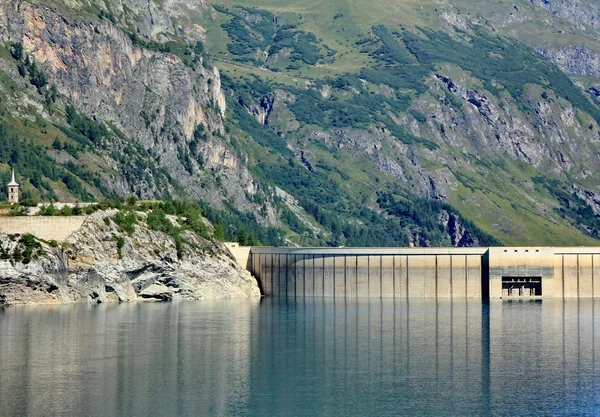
[312, 357]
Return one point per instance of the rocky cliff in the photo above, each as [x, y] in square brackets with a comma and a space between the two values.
[100, 263]
[164, 114]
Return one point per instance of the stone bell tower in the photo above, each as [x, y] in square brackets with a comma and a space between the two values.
[13, 190]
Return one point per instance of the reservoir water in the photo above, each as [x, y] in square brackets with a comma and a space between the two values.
[313, 357]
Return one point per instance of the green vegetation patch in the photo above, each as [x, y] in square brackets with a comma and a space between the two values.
[424, 214]
[28, 68]
[32, 162]
[391, 51]
[26, 249]
[236, 226]
[125, 222]
[135, 163]
[495, 59]
[255, 31]
[572, 207]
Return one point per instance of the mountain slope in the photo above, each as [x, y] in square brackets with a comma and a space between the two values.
[471, 117]
[330, 123]
[146, 118]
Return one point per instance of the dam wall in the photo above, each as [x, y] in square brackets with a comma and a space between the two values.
[375, 273]
[56, 228]
[240, 253]
[426, 273]
[577, 272]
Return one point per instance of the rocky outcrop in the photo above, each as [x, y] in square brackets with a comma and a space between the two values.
[590, 197]
[578, 13]
[502, 126]
[156, 20]
[573, 59]
[458, 233]
[98, 263]
[263, 110]
[483, 105]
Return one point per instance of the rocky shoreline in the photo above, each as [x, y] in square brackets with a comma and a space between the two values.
[100, 263]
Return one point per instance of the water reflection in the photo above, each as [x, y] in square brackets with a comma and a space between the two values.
[384, 358]
[372, 358]
[134, 360]
[308, 357]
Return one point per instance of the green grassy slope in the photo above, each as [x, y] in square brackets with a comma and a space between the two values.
[362, 49]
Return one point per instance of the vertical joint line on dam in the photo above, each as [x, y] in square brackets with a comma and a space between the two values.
[368, 276]
[356, 275]
[466, 276]
[436, 277]
[295, 276]
[451, 277]
[380, 276]
[272, 267]
[394, 275]
[407, 287]
[345, 276]
[323, 274]
[563, 277]
[578, 286]
[333, 258]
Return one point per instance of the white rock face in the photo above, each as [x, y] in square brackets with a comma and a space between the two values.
[90, 268]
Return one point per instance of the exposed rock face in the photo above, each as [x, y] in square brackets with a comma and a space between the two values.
[574, 59]
[157, 20]
[151, 97]
[90, 268]
[458, 233]
[500, 126]
[577, 12]
[590, 197]
[263, 110]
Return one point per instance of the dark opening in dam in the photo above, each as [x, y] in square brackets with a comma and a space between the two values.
[521, 286]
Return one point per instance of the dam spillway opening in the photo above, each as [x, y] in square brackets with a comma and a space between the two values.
[521, 287]
[425, 273]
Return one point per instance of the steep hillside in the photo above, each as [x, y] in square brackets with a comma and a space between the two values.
[330, 123]
[107, 102]
[444, 100]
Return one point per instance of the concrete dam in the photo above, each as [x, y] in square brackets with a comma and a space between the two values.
[425, 273]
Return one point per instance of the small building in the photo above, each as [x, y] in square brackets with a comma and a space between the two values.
[13, 190]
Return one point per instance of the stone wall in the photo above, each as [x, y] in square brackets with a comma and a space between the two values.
[56, 228]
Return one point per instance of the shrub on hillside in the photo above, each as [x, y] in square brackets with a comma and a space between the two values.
[29, 202]
[157, 220]
[125, 222]
[28, 248]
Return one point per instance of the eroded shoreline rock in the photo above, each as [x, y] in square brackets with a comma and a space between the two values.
[90, 267]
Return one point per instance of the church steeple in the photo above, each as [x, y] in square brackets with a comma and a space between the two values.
[12, 182]
[13, 190]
